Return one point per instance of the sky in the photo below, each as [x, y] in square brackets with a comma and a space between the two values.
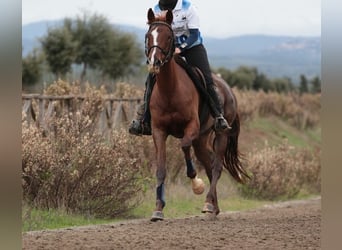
[218, 18]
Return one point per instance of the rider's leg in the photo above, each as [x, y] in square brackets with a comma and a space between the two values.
[197, 56]
[216, 109]
[141, 125]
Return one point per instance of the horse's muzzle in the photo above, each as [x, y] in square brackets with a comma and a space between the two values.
[155, 67]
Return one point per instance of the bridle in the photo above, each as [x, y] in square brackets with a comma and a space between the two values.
[171, 48]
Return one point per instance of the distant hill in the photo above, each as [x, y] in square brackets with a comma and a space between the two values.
[276, 56]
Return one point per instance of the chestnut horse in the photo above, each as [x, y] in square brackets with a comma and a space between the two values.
[175, 105]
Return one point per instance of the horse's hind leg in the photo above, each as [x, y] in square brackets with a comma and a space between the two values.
[213, 165]
[204, 155]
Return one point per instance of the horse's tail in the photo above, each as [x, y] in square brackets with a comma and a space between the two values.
[233, 157]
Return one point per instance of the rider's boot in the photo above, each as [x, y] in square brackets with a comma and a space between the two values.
[141, 125]
[221, 123]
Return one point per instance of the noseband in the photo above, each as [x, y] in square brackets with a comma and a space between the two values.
[171, 48]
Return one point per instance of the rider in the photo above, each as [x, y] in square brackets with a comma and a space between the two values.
[189, 44]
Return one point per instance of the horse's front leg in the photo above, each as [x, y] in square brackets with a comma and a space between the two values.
[159, 138]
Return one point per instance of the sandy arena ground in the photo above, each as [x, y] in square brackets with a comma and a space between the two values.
[288, 225]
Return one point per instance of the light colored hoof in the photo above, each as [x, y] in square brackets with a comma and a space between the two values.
[208, 208]
[157, 215]
[197, 185]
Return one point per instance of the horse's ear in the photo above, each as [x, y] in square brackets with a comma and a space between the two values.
[150, 15]
[169, 17]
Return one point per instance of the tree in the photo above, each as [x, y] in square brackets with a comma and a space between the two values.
[282, 85]
[226, 74]
[91, 35]
[244, 77]
[31, 69]
[59, 50]
[316, 85]
[262, 82]
[123, 57]
[100, 46]
[303, 85]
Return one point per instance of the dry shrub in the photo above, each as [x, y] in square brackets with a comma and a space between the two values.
[302, 111]
[247, 104]
[125, 90]
[77, 169]
[60, 87]
[81, 172]
[282, 171]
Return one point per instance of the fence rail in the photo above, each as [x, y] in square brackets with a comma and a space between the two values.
[116, 112]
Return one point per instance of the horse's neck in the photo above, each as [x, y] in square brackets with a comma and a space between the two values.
[166, 79]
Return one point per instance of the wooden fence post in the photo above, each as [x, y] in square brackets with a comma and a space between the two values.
[116, 113]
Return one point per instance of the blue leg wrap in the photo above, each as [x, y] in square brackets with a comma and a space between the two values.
[190, 168]
[160, 194]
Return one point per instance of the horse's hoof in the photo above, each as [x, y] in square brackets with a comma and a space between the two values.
[157, 215]
[208, 208]
[197, 185]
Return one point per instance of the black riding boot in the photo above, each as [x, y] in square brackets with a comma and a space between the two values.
[216, 109]
[141, 125]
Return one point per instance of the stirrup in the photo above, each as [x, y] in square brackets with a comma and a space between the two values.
[221, 123]
[137, 127]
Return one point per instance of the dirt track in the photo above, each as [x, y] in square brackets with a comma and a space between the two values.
[289, 225]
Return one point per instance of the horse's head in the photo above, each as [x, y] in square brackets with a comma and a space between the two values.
[159, 40]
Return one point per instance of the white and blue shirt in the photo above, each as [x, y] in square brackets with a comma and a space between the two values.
[185, 21]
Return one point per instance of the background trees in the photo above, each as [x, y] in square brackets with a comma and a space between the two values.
[88, 42]
[91, 49]
[316, 85]
[59, 50]
[249, 78]
[100, 46]
[31, 69]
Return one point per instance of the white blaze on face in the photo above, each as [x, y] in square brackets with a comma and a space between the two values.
[154, 34]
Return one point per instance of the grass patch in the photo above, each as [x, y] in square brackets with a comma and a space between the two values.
[275, 130]
[37, 219]
[182, 202]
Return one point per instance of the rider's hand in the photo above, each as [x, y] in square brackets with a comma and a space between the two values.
[177, 51]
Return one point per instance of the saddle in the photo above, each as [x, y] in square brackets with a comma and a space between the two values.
[194, 73]
[198, 79]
